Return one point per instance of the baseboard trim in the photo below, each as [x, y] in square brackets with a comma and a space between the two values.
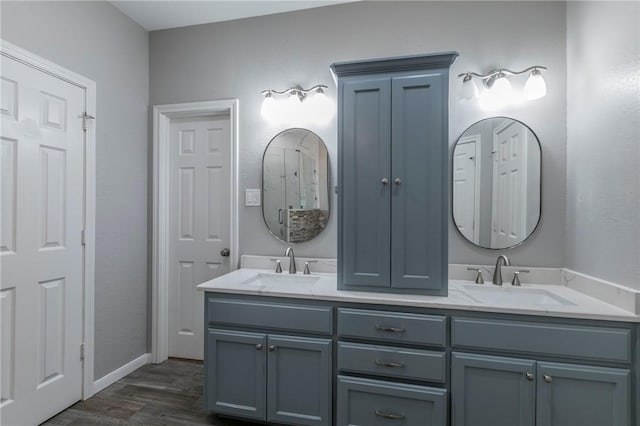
[121, 372]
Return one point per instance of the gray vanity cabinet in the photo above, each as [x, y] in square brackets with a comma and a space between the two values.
[582, 395]
[529, 393]
[299, 380]
[526, 390]
[483, 386]
[258, 365]
[236, 368]
[392, 167]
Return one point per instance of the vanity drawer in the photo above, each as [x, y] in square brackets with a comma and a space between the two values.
[394, 327]
[364, 402]
[573, 341]
[392, 362]
[280, 316]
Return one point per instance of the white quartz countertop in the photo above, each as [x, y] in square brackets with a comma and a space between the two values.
[530, 299]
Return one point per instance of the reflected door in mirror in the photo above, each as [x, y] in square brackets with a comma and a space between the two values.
[496, 183]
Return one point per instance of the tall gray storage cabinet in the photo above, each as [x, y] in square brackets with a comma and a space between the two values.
[393, 174]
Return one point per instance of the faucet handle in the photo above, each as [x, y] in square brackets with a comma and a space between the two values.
[306, 267]
[479, 277]
[516, 277]
[278, 265]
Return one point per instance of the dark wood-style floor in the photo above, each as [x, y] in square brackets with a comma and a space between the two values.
[166, 394]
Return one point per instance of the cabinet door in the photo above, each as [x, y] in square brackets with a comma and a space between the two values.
[299, 380]
[364, 200]
[492, 391]
[235, 368]
[419, 152]
[578, 395]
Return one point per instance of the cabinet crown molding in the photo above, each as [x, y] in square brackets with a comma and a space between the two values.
[396, 64]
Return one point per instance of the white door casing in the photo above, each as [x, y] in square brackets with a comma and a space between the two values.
[466, 186]
[200, 181]
[509, 200]
[46, 166]
[161, 259]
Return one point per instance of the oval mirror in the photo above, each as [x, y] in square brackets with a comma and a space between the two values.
[295, 185]
[496, 183]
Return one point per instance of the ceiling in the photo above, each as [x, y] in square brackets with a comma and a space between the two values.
[158, 15]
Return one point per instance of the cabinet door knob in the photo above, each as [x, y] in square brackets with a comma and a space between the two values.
[385, 181]
[398, 181]
[547, 378]
[272, 348]
[225, 252]
[259, 347]
[529, 376]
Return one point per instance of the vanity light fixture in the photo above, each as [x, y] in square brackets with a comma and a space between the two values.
[297, 105]
[496, 90]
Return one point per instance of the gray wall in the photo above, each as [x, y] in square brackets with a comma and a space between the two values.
[603, 140]
[238, 59]
[96, 40]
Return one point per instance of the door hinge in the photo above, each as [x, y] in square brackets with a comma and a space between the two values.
[86, 117]
[83, 241]
[82, 351]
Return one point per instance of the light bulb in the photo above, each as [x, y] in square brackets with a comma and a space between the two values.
[499, 95]
[319, 108]
[469, 89]
[269, 109]
[535, 87]
[292, 110]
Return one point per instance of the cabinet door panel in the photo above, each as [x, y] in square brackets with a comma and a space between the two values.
[578, 395]
[235, 365]
[363, 198]
[492, 391]
[299, 380]
[419, 153]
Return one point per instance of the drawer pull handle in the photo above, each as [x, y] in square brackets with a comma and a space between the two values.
[389, 329]
[390, 416]
[389, 364]
[547, 378]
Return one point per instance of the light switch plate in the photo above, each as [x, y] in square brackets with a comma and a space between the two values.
[252, 197]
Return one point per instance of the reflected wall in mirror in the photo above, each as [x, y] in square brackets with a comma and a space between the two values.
[295, 185]
[496, 183]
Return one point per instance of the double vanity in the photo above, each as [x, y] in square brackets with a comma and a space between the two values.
[293, 349]
[390, 333]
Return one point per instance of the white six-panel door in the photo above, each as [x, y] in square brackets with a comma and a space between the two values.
[41, 255]
[509, 202]
[200, 181]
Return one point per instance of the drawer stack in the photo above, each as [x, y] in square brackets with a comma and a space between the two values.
[391, 366]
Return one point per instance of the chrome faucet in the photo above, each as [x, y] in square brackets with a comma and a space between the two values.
[292, 260]
[497, 273]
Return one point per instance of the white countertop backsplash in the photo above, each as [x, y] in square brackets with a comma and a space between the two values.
[591, 298]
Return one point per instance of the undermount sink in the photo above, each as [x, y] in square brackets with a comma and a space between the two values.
[514, 295]
[283, 280]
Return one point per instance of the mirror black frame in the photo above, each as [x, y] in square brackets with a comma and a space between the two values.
[455, 225]
[264, 152]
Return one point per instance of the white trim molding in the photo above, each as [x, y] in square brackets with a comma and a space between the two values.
[162, 115]
[16, 53]
[121, 372]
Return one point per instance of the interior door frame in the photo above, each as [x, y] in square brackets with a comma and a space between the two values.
[477, 139]
[16, 53]
[162, 116]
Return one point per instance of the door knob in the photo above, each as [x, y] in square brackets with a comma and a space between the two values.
[547, 378]
[225, 252]
[529, 376]
[397, 181]
[385, 181]
[272, 348]
[259, 347]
